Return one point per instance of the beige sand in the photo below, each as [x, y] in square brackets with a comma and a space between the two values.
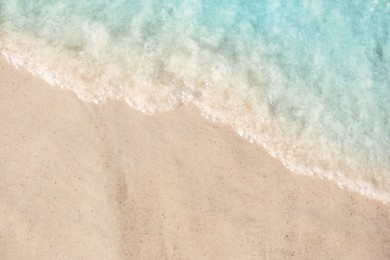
[86, 181]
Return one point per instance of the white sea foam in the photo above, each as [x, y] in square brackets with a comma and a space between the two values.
[320, 105]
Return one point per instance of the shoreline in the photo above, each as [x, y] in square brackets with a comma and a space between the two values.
[83, 180]
[349, 176]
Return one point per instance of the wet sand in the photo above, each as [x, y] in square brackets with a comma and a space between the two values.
[86, 181]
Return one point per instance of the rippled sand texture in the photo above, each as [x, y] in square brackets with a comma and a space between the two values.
[86, 181]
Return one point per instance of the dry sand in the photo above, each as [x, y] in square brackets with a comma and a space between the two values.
[86, 181]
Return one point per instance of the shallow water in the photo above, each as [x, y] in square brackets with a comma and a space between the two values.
[308, 80]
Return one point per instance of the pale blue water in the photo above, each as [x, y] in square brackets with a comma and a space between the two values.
[308, 80]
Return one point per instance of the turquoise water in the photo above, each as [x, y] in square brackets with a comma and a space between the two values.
[308, 80]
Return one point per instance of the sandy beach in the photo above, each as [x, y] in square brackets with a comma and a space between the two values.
[86, 181]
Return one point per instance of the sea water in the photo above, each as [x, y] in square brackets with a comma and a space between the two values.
[307, 80]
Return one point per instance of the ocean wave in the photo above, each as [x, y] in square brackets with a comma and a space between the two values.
[309, 82]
